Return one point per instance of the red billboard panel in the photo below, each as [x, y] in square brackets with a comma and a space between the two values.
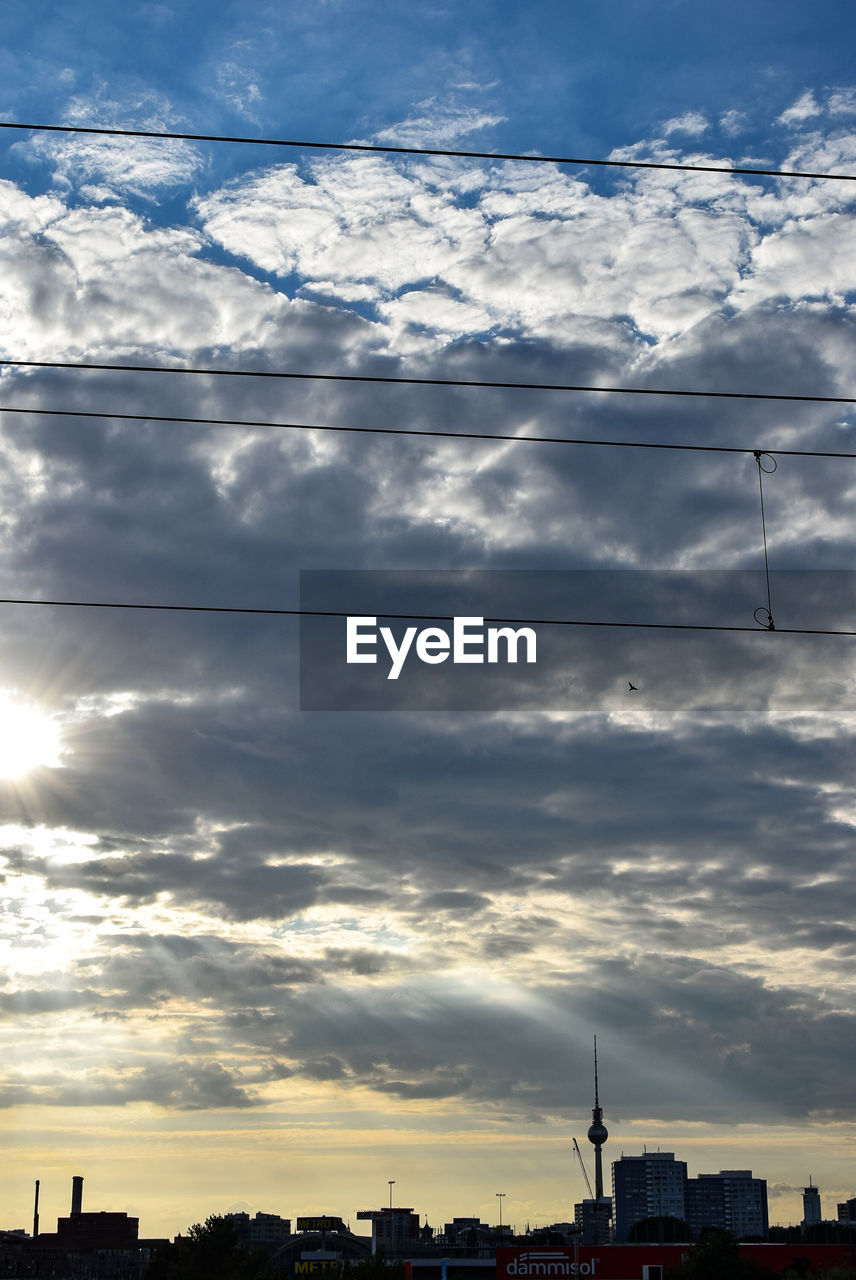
[572, 1262]
[647, 1261]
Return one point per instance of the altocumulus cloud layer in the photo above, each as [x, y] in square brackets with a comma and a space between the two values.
[217, 897]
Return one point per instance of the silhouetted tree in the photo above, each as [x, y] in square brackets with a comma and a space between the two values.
[209, 1251]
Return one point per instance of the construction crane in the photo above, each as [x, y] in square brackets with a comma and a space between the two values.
[582, 1166]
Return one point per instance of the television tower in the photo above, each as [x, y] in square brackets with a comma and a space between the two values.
[597, 1134]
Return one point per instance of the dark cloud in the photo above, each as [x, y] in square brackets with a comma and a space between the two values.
[182, 1085]
[32, 1003]
[455, 900]
[685, 1020]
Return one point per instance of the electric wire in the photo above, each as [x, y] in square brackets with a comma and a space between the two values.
[400, 150]
[428, 382]
[424, 432]
[388, 149]
[433, 382]
[419, 617]
[402, 431]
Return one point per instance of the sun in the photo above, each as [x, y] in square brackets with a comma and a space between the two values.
[29, 738]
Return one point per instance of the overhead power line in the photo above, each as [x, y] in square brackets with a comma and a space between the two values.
[423, 432]
[106, 131]
[424, 617]
[426, 382]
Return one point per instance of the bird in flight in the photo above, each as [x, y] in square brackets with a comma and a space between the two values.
[633, 688]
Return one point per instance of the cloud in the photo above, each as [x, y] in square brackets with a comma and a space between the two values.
[100, 280]
[688, 882]
[106, 167]
[512, 252]
[692, 122]
[435, 123]
[221, 898]
[733, 121]
[842, 102]
[805, 107]
[179, 1085]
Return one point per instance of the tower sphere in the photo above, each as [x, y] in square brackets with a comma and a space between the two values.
[598, 1133]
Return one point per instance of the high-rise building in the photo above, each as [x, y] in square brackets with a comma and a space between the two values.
[847, 1210]
[593, 1221]
[731, 1200]
[811, 1205]
[652, 1185]
[264, 1228]
[393, 1230]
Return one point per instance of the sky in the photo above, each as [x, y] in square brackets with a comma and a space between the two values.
[264, 957]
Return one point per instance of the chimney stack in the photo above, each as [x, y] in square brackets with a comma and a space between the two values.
[36, 1212]
[77, 1194]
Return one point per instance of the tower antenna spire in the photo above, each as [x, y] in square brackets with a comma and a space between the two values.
[597, 1134]
[596, 1102]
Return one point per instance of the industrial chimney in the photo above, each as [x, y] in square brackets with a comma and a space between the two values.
[77, 1194]
[36, 1212]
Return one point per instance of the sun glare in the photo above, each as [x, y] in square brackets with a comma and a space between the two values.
[29, 739]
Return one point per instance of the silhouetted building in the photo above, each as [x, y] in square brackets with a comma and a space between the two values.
[88, 1245]
[458, 1226]
[88, 1231]
[264, 1228]
[847, 1210]
[466, 1233]
[321, 1248]
[593, 1220]
[393, 1230]
[811, 1205]
[556, 1233]
[653, 1185]
[731, 1200]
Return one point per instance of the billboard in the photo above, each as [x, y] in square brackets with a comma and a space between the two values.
[325, 1223]
[603, 1262]
[642, 1261]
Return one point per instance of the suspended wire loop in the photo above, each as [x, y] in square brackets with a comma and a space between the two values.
[766, 618]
